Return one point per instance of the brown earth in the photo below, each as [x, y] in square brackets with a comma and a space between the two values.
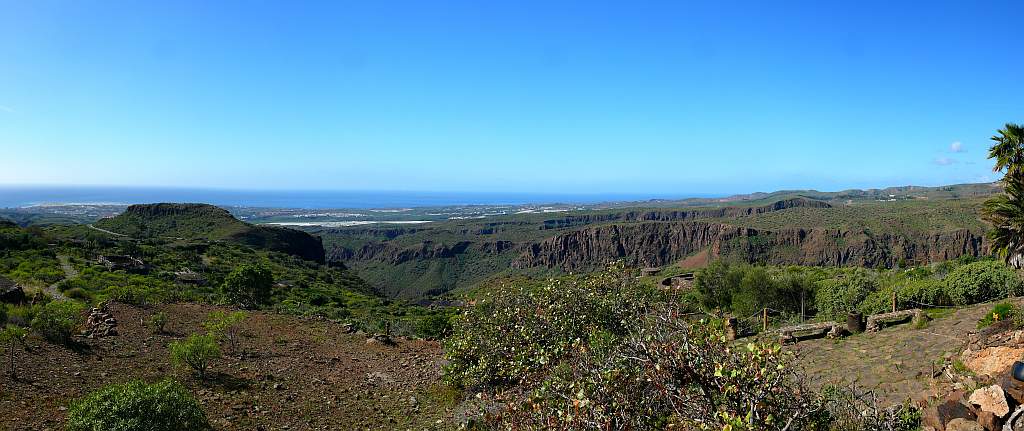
[290, 373]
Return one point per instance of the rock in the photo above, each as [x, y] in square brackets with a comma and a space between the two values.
[991, 399]
[1016, 420]
[953, 409]
[992, 361]
[961, 424]
[10, 292]
[989, 421]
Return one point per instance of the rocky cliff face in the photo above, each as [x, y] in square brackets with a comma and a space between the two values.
[681, 215]
[658, 244]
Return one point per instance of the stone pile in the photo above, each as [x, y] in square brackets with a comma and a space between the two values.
[100, 324]
[988, 397]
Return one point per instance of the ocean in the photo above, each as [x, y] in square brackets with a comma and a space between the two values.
[21, 196]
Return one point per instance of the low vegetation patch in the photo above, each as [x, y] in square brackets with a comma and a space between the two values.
[137, 406]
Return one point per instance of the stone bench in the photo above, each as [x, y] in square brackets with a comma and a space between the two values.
[879, 321]
[810, 330]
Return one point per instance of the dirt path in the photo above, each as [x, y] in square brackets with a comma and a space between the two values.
[896, 362]
[105, 231]
[69, 273]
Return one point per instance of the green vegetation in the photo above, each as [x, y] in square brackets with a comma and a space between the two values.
[1003, 311]
[196, 352]
[57, 320]
[982, 281]
[248, 286]
[551, 320]
[12, 337]
[137, 406]
[602, 352]
[1006, 211]
[830, 293]
[158, 321]
[224, 326]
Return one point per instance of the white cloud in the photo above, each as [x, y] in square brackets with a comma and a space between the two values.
[956, 147]
[944, 161]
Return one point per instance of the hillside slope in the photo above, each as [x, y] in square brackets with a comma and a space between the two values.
[439, 257]
[208, 222]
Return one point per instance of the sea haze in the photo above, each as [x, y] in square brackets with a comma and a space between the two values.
[21, 196]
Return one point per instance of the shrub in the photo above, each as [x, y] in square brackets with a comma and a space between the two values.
[132, 294]
[22, 315]
[1001, 311]
[982, 281]
[669, 374]
[196, 352]
[12, 336]
[158, 321]
[524, 327]
[56, 321]
[137, 406]
[434, 326]
[79, 294]
[248, 286]
[837, 296]
[923, 292]
[3, 313]
[224, 326]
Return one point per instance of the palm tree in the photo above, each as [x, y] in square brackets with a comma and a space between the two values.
[1006, 211]
[1008, 151]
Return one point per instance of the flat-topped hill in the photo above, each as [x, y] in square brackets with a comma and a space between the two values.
[209, 222]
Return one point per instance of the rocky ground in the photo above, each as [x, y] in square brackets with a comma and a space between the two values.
[289, 373]
[299, 374]
[959, 375]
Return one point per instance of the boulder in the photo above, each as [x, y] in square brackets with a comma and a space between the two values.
[991, 361]
[989, 421]
[991, 399]
[953, 409]
[961, 424]
[11, 292]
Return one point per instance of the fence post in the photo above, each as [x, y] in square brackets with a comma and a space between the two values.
[894, 300]
[765, 316]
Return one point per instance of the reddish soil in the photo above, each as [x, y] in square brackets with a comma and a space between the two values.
[290, 373]
[696, 261]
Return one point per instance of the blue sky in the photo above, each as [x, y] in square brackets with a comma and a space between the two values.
[519, 96]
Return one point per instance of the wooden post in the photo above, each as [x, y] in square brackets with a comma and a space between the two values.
[894, 301]
[765, 317]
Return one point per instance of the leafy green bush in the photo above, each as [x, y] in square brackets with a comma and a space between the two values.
[982, 281]
[524, 327]
[158, 321]
[837, 296]
[224, 326]
[137, 406]
[249, 285]
[196, 352]
[434, 326]
[1000, 311]
[79, 294]
[922, 292]
[57, 320]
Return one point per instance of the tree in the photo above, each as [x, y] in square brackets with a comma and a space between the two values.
[1006, 211]
[12, 336]
[248, 286]
[196, 352]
